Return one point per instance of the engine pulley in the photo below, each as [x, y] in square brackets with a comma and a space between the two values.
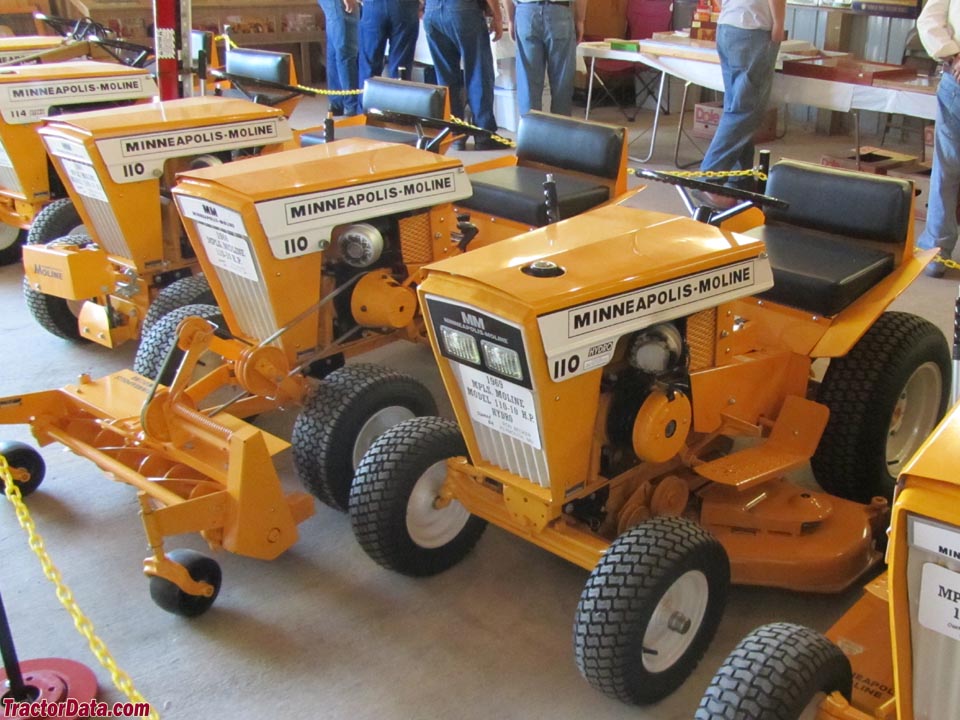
[360, 245]
[657, 350]
[661, 427]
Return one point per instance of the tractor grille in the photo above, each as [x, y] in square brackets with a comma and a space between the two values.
[107, 229]
[506, 451]
[415, 241]
[702, 338]
[932, 566]
[249, 300]
[8, 176]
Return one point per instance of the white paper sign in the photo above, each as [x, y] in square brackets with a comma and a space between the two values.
[940, 600]
[500, 405]
[228, 251]
[84, 179]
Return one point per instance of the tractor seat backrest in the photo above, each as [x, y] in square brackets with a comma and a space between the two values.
[403, 96]
[820, 260]
[259, 65]
[574, 145]
[851, 204]
[200, 40]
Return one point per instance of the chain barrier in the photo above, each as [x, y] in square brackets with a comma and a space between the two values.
[947, 262]
[121, 680]
[753, 172]
[506, 142]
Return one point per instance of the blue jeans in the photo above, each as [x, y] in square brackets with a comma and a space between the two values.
[341, 55]
[941, 229]
[457, 29]
[747, 58]
[397, 21]
[546, 40]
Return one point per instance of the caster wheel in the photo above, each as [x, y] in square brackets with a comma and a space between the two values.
[26, 464]
[174, 600]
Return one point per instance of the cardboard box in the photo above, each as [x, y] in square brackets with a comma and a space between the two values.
[919, 174]
[505, 107]
[706, 117]
[872, 160]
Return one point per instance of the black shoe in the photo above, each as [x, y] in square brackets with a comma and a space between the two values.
[935, 269]
[487, 143]
[459, 144]
[336, 111]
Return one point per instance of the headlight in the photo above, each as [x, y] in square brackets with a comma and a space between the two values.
[502, 360]
[460, 345]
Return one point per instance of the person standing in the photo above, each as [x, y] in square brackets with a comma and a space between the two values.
[546, 33]
[749, 33]
[340, 18]
[397, 21]
[457, 31]
[937, 26]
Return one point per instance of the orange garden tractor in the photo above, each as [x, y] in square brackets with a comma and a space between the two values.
[600, 370]
[96, 260]
[894, 655]
[29, 93]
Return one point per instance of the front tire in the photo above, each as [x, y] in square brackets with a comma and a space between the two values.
[350, 409]
[58, 316]
[650, 609]
[190, 290]
[778, 672]
[395, 509]
[171, 598]
[57, 220]
[11, 244]
[885, 397]
[155, 345]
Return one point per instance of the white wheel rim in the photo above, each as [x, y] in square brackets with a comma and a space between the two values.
[675, 621]
[430, 526]
[914, 415]
[8, 236]
[375, 426]
[78, 230]
[812, 710]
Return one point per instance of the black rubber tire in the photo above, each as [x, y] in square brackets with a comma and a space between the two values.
[174, 600]
[774, 674]
[156, 344]
[326, 431]
[56, 220]
[13, 252]
[53, 313]
[861, 389]
[382, 488]
[621, 595]
[21, 456]
[191, 290]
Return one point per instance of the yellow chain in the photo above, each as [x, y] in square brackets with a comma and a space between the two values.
[506, 142]
[317, 91]
[121, 680]
[710, 173]
[947, 262]
[227, 39]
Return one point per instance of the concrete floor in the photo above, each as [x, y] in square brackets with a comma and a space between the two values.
[323, 631]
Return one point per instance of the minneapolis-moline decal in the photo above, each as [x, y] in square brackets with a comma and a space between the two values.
[29, 101]
[133, 158]
[583, 338]
[302, 224]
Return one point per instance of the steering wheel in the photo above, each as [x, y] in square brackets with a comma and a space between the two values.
[433, 123]
[128, 53]
[685, 183]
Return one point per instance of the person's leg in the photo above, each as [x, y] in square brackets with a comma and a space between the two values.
[561, 38]
[374, 27]
[528, 23]
[477, 62]
[445, 51]
[334, 37]
[405, 26]
[347, 60]
[745, 59]
[941, 227]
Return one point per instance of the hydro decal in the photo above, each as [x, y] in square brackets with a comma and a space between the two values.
[582, 338]
[27, 102]
[137, 157]
[302, 224]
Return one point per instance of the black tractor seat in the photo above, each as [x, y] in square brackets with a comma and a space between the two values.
[390, 96]
[820, 262]
[584, 158]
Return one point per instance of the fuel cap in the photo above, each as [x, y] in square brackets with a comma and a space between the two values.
[543, 268]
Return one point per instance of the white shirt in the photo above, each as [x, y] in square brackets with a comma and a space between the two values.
[746, 14]
[936, 27]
